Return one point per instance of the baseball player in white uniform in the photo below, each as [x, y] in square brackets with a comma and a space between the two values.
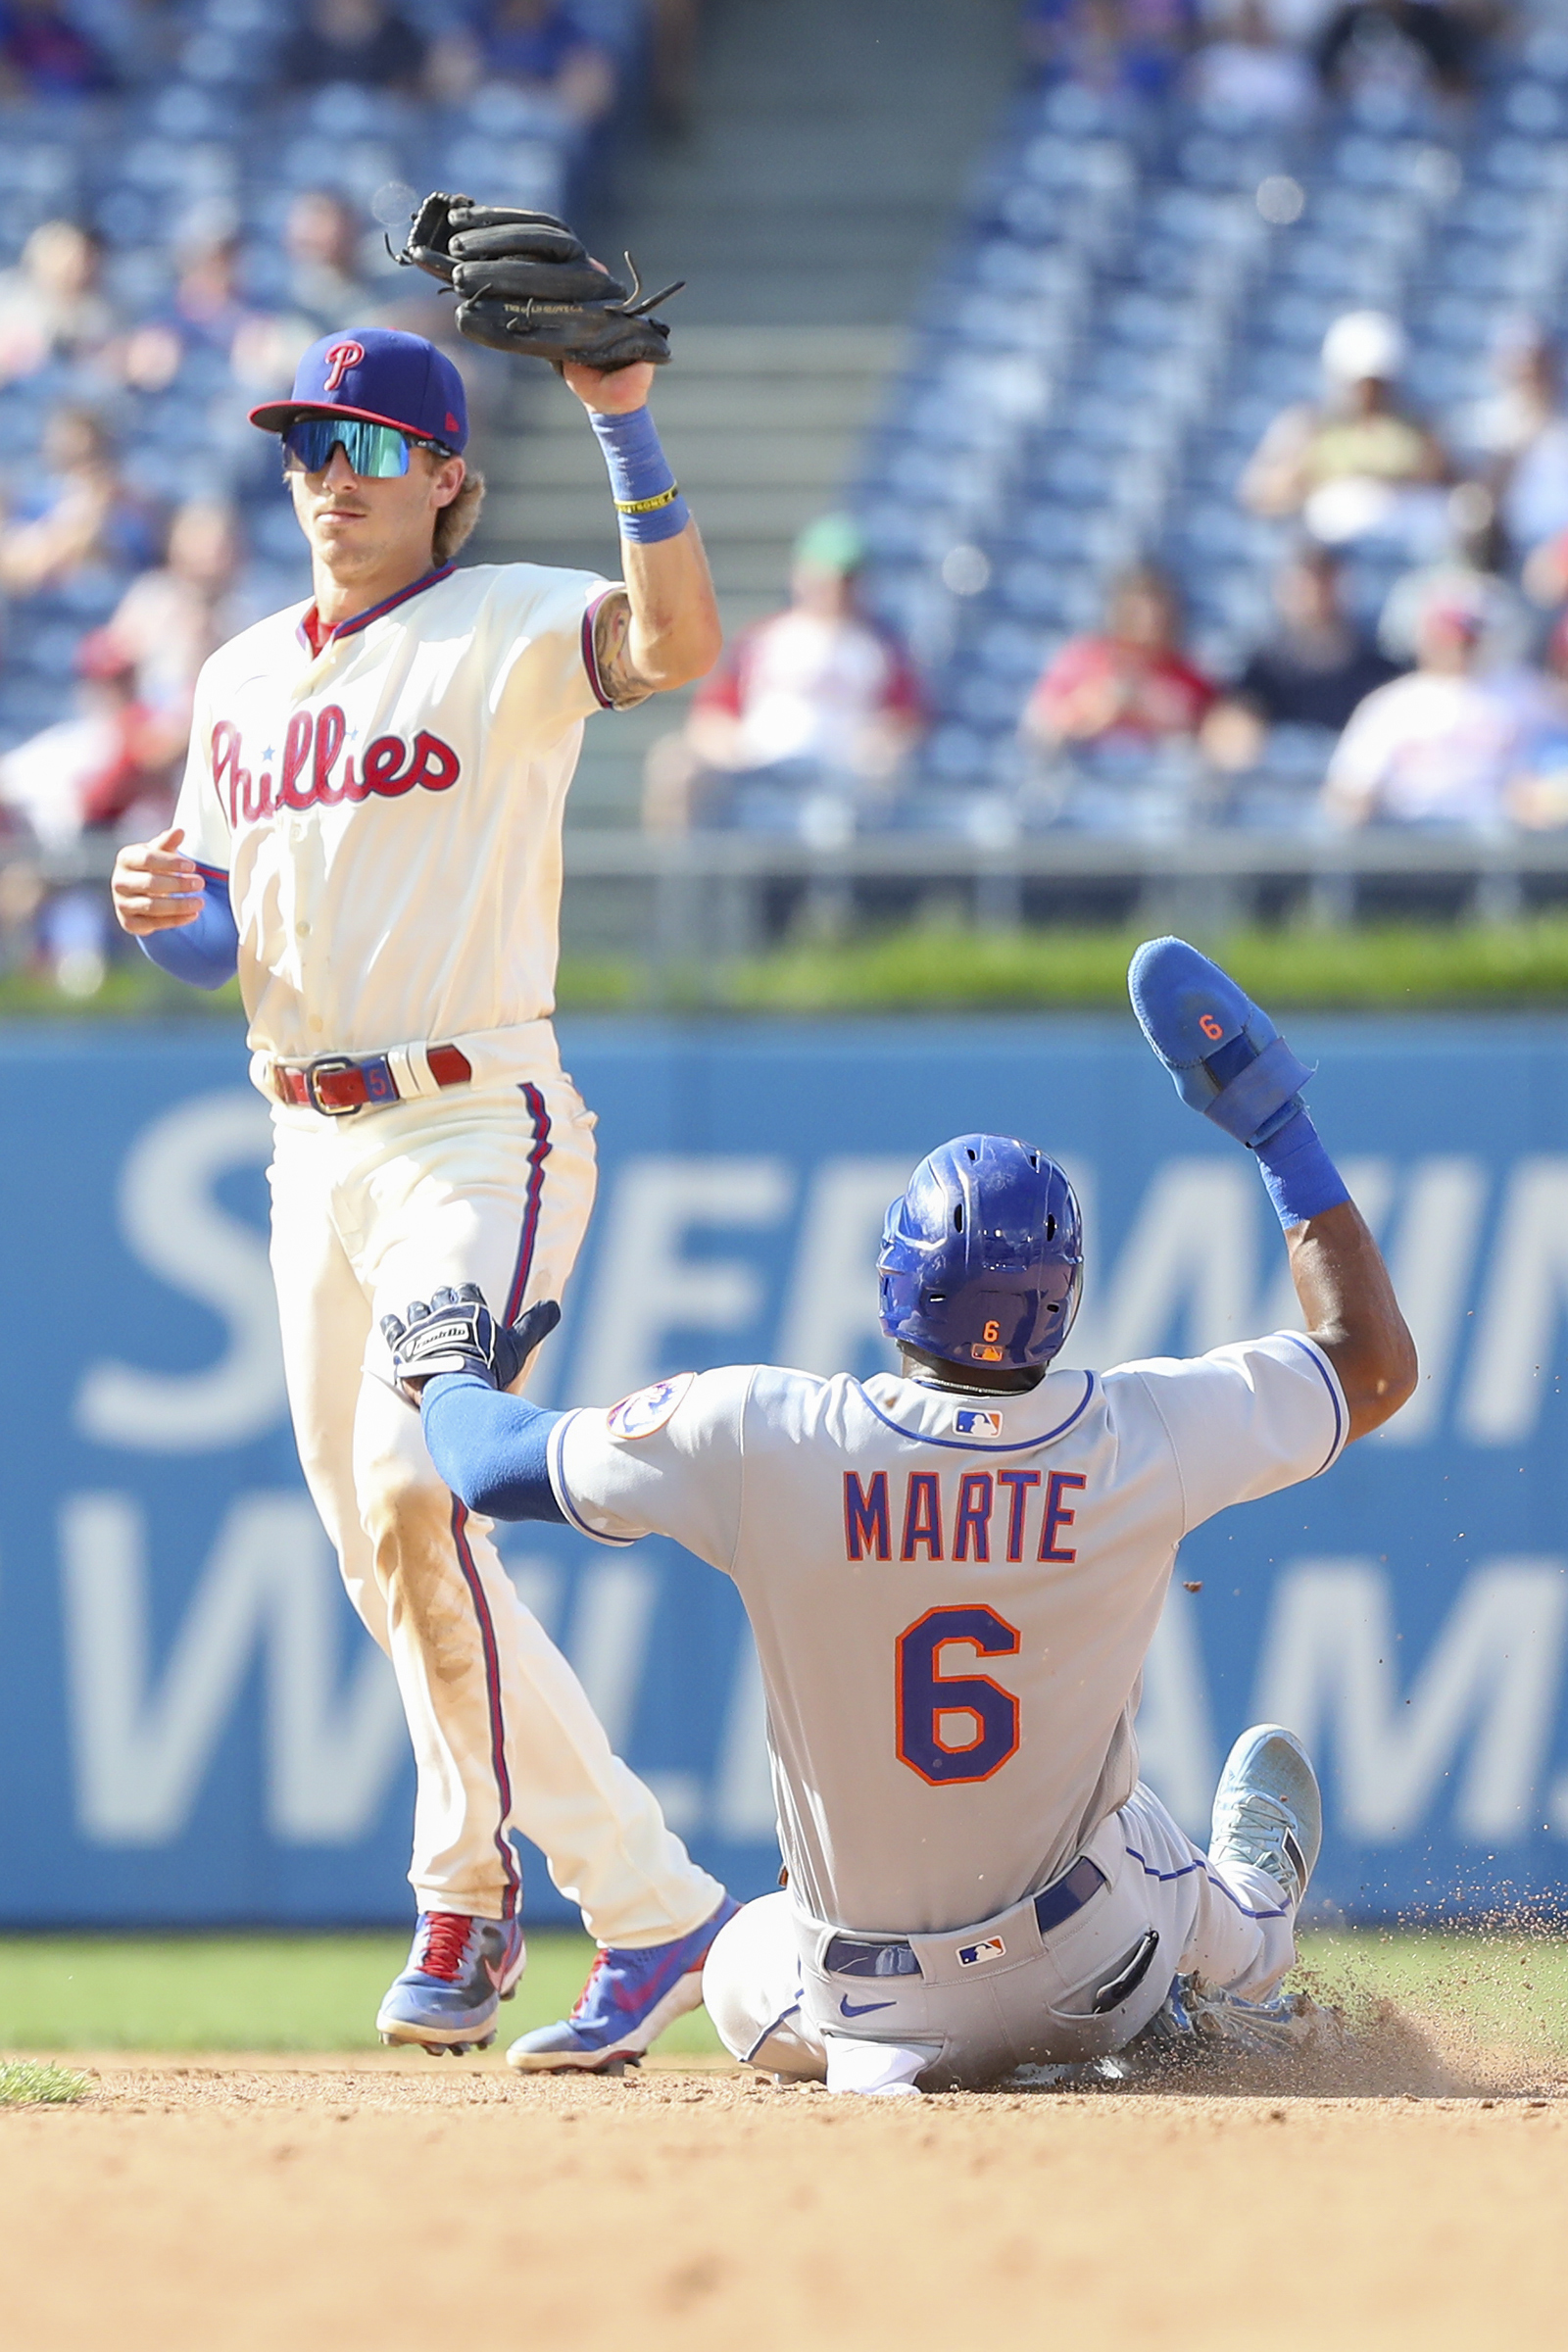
[953, 1576]
[369, 831]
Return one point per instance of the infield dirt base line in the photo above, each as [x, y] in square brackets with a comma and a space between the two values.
[391, 2203]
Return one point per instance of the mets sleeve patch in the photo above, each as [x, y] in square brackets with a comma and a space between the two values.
[648, 1410]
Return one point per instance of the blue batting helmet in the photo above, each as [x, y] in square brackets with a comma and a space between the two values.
[983, 1256]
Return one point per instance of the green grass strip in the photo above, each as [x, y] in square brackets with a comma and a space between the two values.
[250, 1992]
[1499, 1986]
[319, 1994]
[1388, 968]
[34, 2083]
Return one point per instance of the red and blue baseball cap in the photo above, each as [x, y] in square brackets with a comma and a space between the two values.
[381, 377]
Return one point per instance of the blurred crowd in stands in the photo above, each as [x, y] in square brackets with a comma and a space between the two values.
[1447, 706]
[1228, 484]
[190, 192]
[1178, 531]
[1381, 626]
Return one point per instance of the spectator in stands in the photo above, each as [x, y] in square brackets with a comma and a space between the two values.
[328, 286]
[672, 61]
[540, 46]
[1248, 71]
[1516, 442]
[45, 53]
[1355, 464]
[113, 766]
[206, 315]
[1131, 682]
[91, 770]
[51, 305]
[169, 620]
[1440, 34]
[1442, 745]
[1537, 797]
[1311, 671]
[1470, 567]
[816, 702]
[80, 517]
[360, 41]
[1129, 47]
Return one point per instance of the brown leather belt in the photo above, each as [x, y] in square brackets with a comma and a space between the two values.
[339, 1084]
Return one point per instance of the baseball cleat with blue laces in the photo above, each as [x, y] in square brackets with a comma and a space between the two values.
[459, 1973]
[628, 2000]
[1268, 1810]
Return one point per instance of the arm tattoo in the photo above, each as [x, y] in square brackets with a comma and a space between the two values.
[618, 673]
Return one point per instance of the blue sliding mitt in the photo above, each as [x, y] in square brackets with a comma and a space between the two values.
[1225, 1055]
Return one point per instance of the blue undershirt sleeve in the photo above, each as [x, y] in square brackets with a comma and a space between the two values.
[206, 953]
[490, 1447]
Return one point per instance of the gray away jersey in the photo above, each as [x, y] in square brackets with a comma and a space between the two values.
[952, 1596]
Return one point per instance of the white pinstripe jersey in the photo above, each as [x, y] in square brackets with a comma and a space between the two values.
[952, 1597]
[388, 812]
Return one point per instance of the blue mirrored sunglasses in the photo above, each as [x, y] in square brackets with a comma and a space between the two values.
[376, 452]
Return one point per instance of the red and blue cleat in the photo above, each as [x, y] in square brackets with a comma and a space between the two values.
[628, 2000]
[460, 1971]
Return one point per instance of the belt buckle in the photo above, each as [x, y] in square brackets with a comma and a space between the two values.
[328, 1067]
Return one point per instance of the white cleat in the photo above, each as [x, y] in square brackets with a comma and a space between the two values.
[1268, 1810]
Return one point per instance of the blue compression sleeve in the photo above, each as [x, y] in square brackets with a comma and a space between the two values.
[647, 495]
[206, 953]
[490, 1447]
[1301, 1179]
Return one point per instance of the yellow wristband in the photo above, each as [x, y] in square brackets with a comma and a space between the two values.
[648, 506]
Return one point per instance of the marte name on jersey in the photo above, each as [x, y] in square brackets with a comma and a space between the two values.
[1011, 1497]
[389, 766]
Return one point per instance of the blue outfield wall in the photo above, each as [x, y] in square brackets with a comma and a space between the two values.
[193, 1728]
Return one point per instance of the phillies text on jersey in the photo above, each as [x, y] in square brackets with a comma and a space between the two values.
[388, 811]
[315, 775]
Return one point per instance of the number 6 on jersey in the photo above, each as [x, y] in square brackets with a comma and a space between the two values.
[926, 1696]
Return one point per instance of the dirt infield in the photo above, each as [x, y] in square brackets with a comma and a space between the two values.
[395, 2203]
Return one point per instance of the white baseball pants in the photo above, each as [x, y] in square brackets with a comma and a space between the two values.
[1000, 1993]
[490, 1185]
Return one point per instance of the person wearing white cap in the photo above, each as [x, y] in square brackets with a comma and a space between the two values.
[1356, 465]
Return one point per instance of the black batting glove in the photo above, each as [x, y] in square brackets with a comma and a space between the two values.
[456, 1332]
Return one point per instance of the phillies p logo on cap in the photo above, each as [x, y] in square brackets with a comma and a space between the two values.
[381, 375]
[340, 359]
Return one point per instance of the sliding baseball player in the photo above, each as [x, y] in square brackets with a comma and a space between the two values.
[369, 831]
[954, 1576]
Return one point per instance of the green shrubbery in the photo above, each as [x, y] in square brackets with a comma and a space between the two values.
[1397, 968]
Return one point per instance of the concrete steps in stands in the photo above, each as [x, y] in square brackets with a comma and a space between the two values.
[827, 150]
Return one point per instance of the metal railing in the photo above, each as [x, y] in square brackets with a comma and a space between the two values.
[683, 898]
[669, 900]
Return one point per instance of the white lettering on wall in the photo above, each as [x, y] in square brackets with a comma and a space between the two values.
[1330, 1668]
[143, 1738]
[1432, 1264]
[830, 1318]
[1521, 1307]
[645, 1288]
[1187, 1268]
[175, 1226]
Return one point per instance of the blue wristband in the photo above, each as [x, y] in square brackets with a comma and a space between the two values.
[1301, 1179]
[648, 500]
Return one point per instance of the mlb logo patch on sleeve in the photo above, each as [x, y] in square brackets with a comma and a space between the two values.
[974, 1955]
[648, 1410]
[972, 1424]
